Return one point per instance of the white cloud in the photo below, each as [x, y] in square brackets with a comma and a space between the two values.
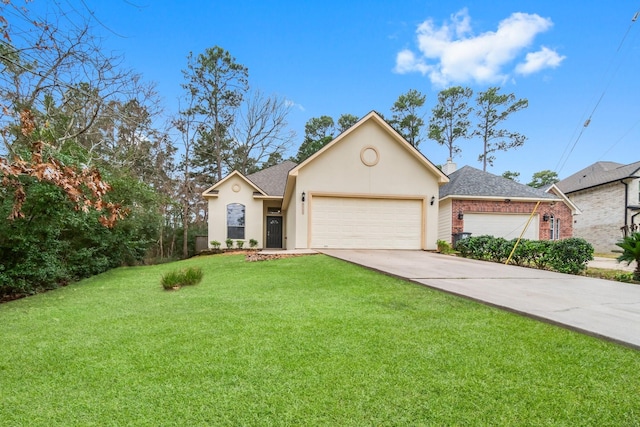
[406, 62]
[451, 53]
[536, 61]
[293, 104]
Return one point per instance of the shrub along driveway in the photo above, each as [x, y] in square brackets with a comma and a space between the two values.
[597, 307]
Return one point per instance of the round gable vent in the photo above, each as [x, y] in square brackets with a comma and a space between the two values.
[369, 156]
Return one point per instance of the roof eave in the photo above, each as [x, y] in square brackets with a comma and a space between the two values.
[502, 198]
[442, 178]
[208, 192]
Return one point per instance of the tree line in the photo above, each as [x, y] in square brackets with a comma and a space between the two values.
[94, 174]
[449, 123]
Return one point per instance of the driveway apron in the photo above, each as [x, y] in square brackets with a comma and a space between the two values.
[602, 308]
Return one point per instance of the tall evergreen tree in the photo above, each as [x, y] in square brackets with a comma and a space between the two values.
[407, 117]
[318, 132]
[217, 84]
[492, 110]
[450, 118]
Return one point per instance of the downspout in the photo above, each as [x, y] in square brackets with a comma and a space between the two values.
[626, 202]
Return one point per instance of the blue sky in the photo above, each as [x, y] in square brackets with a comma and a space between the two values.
[334, 57]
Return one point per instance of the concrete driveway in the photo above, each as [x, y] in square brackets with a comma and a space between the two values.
[601, 308]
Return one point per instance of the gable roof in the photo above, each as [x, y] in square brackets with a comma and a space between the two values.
[213, 190]
[553, 189]
[377, 118]
[597, 174]
[471, 182]
[272, 180]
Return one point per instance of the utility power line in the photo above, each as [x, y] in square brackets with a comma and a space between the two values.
[562, 161]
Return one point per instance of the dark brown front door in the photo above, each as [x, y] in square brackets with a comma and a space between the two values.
[274, 232]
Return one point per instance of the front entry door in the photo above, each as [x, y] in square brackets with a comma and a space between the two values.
[274, 232]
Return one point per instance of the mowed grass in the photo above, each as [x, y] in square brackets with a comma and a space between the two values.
[299, 341]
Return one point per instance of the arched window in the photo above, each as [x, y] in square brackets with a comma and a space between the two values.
[235, 221]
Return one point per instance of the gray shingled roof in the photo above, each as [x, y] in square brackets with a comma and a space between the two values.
[272, 180]
[469, 181]
[598, 173]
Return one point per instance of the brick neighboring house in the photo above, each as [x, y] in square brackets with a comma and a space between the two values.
[608, 194]
[481, 203]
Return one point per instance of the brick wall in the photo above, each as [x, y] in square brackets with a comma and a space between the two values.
[602, 215]
[558, 209]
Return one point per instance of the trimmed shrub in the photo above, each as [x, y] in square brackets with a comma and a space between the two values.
[253, 243]
[229, 243]
[539, 253]
[565, 256]
[239, 244]
[570, 255]
[498, 249]
[215, 244]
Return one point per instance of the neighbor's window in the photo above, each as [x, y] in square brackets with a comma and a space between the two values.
[554, 229]
[235, 221]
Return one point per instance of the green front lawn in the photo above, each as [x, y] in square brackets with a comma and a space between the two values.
[299, 341]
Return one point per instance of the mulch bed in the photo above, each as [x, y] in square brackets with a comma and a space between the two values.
[259, 256]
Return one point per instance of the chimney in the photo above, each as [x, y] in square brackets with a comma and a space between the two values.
[449, 167]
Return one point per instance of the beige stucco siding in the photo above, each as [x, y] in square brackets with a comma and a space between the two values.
[444, 221]
[340, 170]
[290, 226]
[254, 218]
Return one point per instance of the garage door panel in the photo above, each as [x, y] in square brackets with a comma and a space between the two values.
[508, 226]
[358, 223]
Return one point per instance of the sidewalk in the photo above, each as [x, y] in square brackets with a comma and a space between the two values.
[611, 264]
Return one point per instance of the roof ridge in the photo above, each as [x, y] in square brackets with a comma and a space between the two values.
[597, 174]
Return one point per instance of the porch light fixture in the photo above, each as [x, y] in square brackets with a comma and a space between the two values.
[433, 199]
[460, 215]
[304, 195]
[545, 217]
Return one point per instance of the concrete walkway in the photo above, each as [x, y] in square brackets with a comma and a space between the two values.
[611, 264]
[601, 308]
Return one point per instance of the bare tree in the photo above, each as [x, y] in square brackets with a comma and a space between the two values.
[260, 132]
[189, 129]
[56, 87]
[55, 68]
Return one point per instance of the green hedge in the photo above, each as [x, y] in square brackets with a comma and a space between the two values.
[55, 244]
[565, 256]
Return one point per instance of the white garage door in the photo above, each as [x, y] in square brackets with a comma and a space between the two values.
[508, 226]
[358, 223]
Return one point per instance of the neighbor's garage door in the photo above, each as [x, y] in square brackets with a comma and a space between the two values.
[508, 226]
[359, 223]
